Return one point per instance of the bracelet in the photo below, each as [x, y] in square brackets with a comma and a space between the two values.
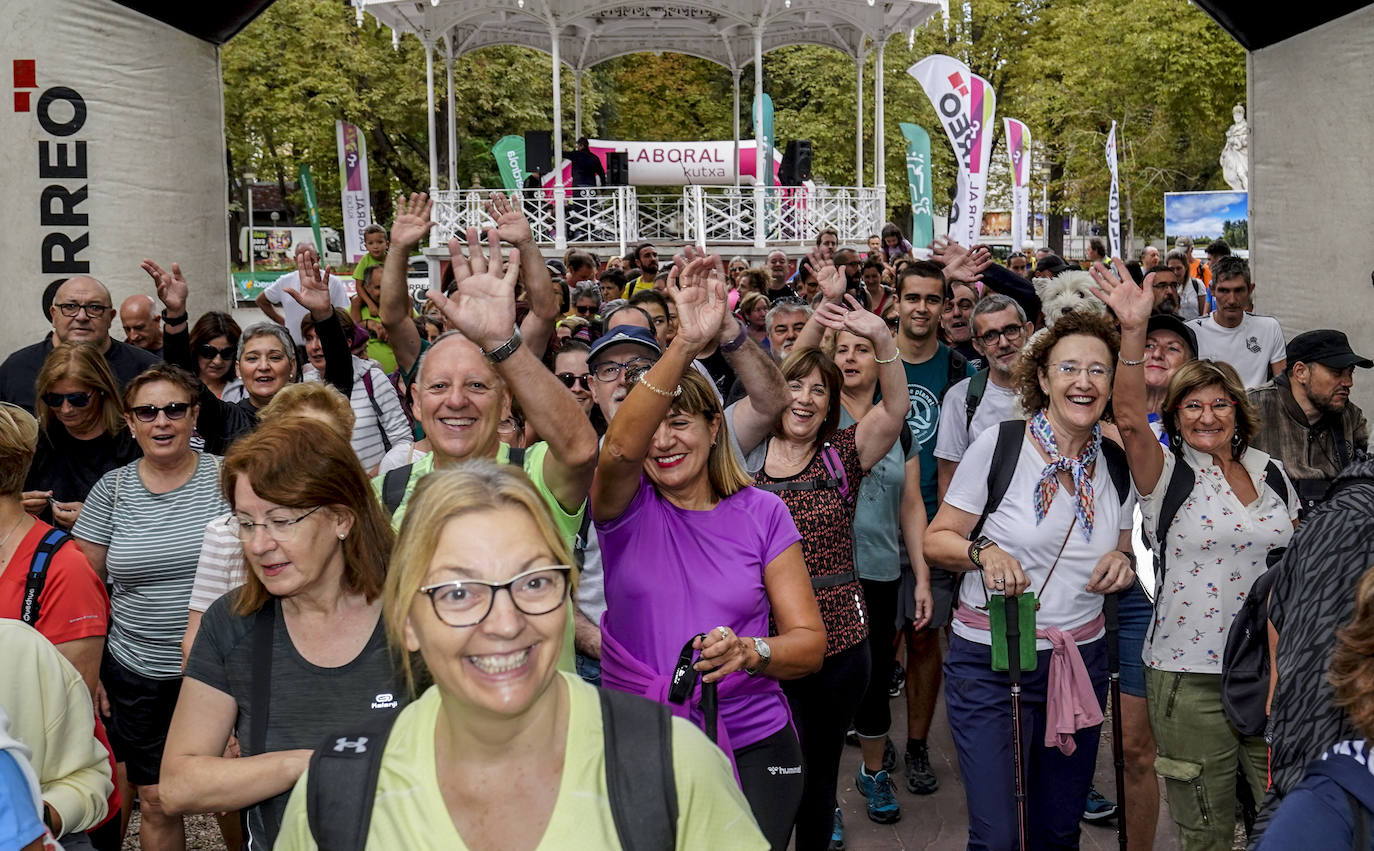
[735, 344]
[895, 355]
[1125, 362]
[664, 393]
[175, 320]
[505, 350]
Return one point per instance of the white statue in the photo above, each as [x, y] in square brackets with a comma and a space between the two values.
[1235, 155]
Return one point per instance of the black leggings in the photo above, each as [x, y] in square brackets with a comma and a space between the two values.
[770, 773]
[873, 718]
[823, 704]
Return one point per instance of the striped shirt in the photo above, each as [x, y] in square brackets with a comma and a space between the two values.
[154, 544]
[220, 569]
[367, 424]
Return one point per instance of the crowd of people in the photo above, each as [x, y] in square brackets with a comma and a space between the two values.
[734, 510]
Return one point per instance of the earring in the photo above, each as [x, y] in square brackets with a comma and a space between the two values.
[341, 537]
[1235, 439]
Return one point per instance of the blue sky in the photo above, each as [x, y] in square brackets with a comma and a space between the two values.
[1200, 214]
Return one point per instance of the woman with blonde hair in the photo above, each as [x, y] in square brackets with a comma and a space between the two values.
[306, 622]
[82, 435]
[689, 549]
[479, 589]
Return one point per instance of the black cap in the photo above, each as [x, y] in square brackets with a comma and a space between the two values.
[1326, 347]
[1171, 322]
[1052, 263]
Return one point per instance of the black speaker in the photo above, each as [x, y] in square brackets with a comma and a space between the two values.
[617, 168]
[795, 168]
[539, 151]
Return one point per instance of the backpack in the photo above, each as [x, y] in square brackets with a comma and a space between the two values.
[31, 606]
[639, 777]
[973, 396]
[395, 480]
[1245, 661]
[837, 480]
[376, 409]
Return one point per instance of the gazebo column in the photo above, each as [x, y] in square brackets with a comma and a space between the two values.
[577, 103]
[452, 118]
[433, 143]
[880, 137]
[859, 119]
[560, 237]
[759, 225]
[735, 73]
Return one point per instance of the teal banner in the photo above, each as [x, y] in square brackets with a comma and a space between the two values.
[918, 179]
[510, 161]
[312, 204]
[767, 119]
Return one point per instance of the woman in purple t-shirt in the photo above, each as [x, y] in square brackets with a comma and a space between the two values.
[688, 548]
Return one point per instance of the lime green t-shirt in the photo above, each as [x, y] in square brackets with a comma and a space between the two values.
[409, 810]
[364, 263]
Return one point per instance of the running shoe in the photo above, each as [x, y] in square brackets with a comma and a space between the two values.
[881, 794]
[920, 777]
[1097, 807]
[837, 833]
[898, 681]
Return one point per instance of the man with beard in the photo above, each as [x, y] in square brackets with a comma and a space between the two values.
[954, 322]
[646, 258]
[785, 322]
[1307, 419]
[1165, 288]
[975, 404]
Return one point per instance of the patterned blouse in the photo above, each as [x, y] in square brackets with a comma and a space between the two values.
[1216, 550]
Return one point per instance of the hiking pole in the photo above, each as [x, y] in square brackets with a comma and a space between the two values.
[1013, 613]
[1109, 610]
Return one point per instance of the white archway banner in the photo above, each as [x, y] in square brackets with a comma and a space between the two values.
[111, 150]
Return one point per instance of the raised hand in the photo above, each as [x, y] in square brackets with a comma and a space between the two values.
[172, 290]
[828, 275]
[482, 305]
[863, 322]
[511, 224]
[413, 221]
[701, 301]
[961, 264]
[313, 292]
[1132, 304]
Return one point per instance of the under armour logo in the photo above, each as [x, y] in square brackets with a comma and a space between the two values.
[358, 746]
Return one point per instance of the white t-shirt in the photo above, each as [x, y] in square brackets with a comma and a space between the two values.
[952, 438]
[291, 309]
[1063, 602]
[1187, 299]
[369, 420]
[1250, 347]
[220, 568]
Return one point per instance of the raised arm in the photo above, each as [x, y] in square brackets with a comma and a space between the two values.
[701, 302]
[172, 291]
[412, 224]
[880, 427]
[482, 307]
[1132, 305]
[832, 286]
[313, 295]
[514, 228]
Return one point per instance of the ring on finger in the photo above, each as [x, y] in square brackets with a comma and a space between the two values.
[724, 631]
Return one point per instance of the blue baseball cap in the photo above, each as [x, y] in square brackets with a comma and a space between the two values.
[625, 334]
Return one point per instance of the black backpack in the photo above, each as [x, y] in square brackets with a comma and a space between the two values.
[31, 606]
[342, 785]
[973, 396]
[395, 481]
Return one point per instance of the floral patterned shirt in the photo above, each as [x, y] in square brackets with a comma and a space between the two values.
[1216, 550]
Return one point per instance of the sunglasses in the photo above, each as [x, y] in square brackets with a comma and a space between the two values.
[76, 400]
[209, 352]
[585, 310]
[569, 380]
[148, 413]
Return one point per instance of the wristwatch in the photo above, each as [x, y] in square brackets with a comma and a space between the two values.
[765, 656]
[739, 341]
[504, 350]
[975, 550]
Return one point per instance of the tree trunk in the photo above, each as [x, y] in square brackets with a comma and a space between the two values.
[1054, 221]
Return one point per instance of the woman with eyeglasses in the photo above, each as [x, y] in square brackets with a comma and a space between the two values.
[83, 435]
[214, 342]
[141, 529]
[315, 542]
[479, 588]
[1062, 533]
[1215, 548]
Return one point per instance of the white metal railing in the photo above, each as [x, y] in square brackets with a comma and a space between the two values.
[621, 216]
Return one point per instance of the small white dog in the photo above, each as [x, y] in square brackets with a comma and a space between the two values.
[1067, 291]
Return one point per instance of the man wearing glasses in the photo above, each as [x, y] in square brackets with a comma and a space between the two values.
[81, 312]
[975, 404]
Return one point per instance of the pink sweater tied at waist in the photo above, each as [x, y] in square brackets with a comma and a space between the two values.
[1070, 702]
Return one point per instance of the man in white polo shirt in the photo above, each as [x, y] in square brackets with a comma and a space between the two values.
[1251, 343]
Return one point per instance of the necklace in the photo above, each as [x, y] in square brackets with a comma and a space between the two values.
[6, 539]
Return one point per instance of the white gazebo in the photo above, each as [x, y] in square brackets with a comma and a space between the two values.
[731, 33]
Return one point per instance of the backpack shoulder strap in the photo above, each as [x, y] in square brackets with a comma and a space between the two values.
[973, 397]
[394, 488]
[958, 366]
[260, 687]
[639, 771]
[905, 438]
[1003, 467]
[1359, 817]
[376, 409]
[830, 457]
[1181, 482]
[31, 606]
[343, 779]
[1273, 477]
[1118, 468]
[517, 457]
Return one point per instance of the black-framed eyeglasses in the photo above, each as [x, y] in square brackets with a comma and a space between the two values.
[148, 413]
[607, 371]
[209, 352]
[1011, 332]
[76, 400]
[95, 310]
[585, 309]
[467, 602]
[278, 529]
[568, 379]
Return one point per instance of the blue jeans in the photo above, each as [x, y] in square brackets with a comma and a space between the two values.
[589, 669]
[978, 700]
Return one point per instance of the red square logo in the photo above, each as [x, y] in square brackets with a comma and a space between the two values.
[21, 101]
[25, 74]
